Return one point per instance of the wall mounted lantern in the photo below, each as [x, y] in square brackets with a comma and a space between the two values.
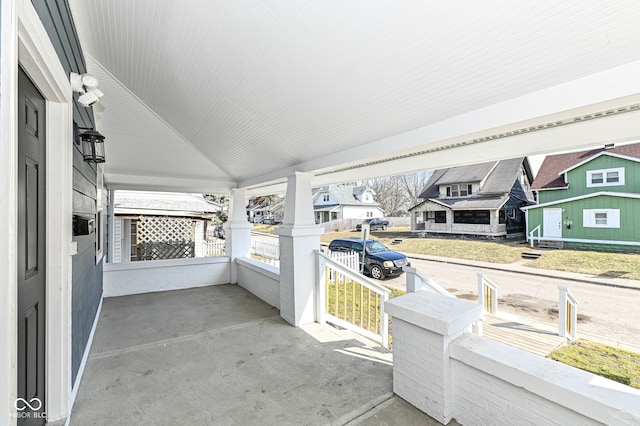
[568, 223]
[92, 146]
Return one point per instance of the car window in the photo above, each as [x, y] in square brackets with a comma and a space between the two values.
[375, 247]
[356, 246]
[340, 246]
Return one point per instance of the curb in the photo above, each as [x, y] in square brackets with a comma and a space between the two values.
[533, 272]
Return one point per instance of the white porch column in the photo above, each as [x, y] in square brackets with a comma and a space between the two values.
[299, 237]
[238, 231]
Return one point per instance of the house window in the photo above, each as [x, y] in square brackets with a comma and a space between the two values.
[476, 217]
[99, 213]
[512, 213]
[607, 177]
[459, 190]
[601, 218]
[502, 216]
[369, 214]
[325, 198]
[441, 217]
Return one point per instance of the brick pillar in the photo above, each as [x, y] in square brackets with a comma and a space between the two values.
[299, 237]
[424, 324]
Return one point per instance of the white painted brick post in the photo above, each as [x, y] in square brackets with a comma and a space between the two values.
[238, 232]
[199, 239]
[424, 324]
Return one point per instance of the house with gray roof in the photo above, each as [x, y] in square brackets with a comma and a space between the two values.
[345, 202]
[480, 199]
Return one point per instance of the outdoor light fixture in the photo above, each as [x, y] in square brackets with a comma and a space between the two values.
[92, 146]
[568, 223]
[87, 86]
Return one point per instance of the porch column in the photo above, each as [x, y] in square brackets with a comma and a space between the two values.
[238, 231]
[299, 237]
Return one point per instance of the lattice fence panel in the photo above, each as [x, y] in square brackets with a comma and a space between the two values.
[165, 238]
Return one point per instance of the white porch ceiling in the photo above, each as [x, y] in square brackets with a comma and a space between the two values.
[211, 94]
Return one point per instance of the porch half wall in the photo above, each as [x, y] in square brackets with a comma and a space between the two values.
[121, 279]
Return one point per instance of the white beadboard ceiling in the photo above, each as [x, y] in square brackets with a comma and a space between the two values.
[213, 94]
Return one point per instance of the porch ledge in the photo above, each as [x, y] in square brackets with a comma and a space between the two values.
[165, 263]
[264, 268]
[592, 396]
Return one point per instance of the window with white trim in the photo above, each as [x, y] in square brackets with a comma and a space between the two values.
[459, 190]
[605, 177]
[99, 213]
[325, 197]
[601, 218]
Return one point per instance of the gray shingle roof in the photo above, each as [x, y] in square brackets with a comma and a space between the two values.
[163, 201]
[346, 194]
[501, 176]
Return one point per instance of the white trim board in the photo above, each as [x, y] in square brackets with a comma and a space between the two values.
[582, 197]
[25, 43]
[581, 240]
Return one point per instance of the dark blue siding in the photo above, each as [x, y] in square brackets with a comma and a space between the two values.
[87, 275]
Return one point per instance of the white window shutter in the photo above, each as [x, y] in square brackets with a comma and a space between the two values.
[613, 218]
[588, 218]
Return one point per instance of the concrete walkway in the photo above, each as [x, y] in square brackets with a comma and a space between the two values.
[218, 355]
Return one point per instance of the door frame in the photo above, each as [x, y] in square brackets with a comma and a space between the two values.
[24, 42]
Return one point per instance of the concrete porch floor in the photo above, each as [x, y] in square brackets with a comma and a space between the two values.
[219, 355]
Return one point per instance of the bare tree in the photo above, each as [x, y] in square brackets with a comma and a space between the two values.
[390, 193]
[414, 184]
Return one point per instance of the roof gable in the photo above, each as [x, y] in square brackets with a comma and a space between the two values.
[550, 175]
[499, 177]
[346, 194]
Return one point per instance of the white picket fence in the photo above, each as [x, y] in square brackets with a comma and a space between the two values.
[265, 249]
[213, 248]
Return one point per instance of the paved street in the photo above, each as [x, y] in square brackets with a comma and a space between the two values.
[604, 311]
[607, 312]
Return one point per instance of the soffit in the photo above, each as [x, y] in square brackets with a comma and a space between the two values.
[256, 88]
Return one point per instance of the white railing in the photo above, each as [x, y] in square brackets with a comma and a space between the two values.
[417, 281]
[568, 314]
[265, 249]
[487, 294]
[355, 302]
[535, 230]
[213, 248]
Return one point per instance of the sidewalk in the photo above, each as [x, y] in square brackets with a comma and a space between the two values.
[519, 267]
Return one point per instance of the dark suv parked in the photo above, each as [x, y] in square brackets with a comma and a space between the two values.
[379, 261]
[374, 224]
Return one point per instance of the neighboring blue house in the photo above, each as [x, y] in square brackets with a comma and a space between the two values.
[480, 199]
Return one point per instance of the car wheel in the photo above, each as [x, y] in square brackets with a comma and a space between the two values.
[376, 272]
[384, 227]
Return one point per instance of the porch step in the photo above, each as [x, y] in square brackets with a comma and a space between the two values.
[547, 244]
[531, 255]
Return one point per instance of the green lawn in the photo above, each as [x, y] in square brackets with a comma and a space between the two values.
[612, 363]
[605, 264]
[615, 265]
